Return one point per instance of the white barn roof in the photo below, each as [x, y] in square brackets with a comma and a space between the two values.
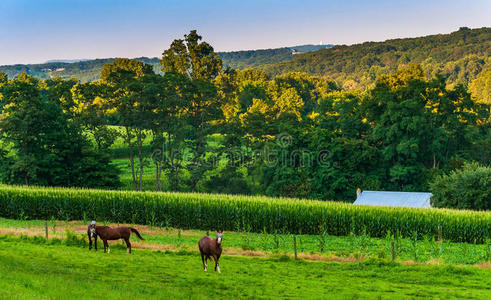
[406, 199]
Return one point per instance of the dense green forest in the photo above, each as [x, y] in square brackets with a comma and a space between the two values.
[459, 56]
[202, 127]
[90, 69]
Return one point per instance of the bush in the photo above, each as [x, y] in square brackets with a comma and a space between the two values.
[467, 188]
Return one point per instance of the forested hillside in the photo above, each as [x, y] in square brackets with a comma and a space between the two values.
[85, 71]
[459, 56]
[255, 58]
[89, 69]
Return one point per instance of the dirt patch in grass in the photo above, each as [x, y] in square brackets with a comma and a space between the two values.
[241, 252]
[148, 230]
[486, 265]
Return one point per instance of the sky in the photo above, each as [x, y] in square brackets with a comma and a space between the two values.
[34, 31]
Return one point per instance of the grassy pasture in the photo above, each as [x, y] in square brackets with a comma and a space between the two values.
[31, 270]
[311, 247]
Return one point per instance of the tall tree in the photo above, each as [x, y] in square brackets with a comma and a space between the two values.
[168, 126]
[201, 64]
[191, 57]
[127, 98]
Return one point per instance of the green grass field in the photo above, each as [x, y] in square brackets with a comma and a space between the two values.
[312, 247]
[57, 271]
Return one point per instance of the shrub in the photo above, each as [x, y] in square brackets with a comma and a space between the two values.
[467, 188]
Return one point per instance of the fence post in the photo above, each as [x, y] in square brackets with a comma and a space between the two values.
[295, 245]
[393, 251]
[46, 229]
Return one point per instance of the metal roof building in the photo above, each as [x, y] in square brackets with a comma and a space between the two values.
[405, 199]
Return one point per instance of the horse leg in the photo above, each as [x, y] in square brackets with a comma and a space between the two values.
[205, 267]
[95, 242]
[90, 242]
[217, 268]
[218, 265]
[128, 245]
[106, 246]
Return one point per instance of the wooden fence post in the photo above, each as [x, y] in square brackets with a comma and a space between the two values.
[393, 251]
[295, 245]
[46, 228]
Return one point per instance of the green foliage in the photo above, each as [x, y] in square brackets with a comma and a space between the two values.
[419, 124]
[480, 87]
[203, 108]
[466, 188]
[189, 56]
[460, 56]
[225, 212]
[49, 149]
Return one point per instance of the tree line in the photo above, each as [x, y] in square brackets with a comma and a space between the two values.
[216, 129]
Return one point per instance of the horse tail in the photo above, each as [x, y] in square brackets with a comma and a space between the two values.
[137, 233]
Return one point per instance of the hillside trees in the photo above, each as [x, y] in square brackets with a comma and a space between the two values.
[459, 56]
[481, 86]
[167, 128]
[127, 99]
[89, 108]
[419, 124]
[50, 150]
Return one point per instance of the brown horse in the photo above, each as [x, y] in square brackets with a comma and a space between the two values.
[107, 233]
[209, 247]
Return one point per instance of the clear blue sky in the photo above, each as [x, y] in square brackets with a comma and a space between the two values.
[33, 31]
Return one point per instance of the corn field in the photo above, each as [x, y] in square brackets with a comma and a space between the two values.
[251, 213]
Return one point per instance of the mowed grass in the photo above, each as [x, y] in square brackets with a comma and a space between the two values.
[60, 272]
[316, 247]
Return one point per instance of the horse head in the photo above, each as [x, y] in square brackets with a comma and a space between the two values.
[219, 236]
[92, 231]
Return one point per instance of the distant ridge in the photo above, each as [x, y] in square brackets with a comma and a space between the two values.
[89, 69]
[66, 60]
[461, 56]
